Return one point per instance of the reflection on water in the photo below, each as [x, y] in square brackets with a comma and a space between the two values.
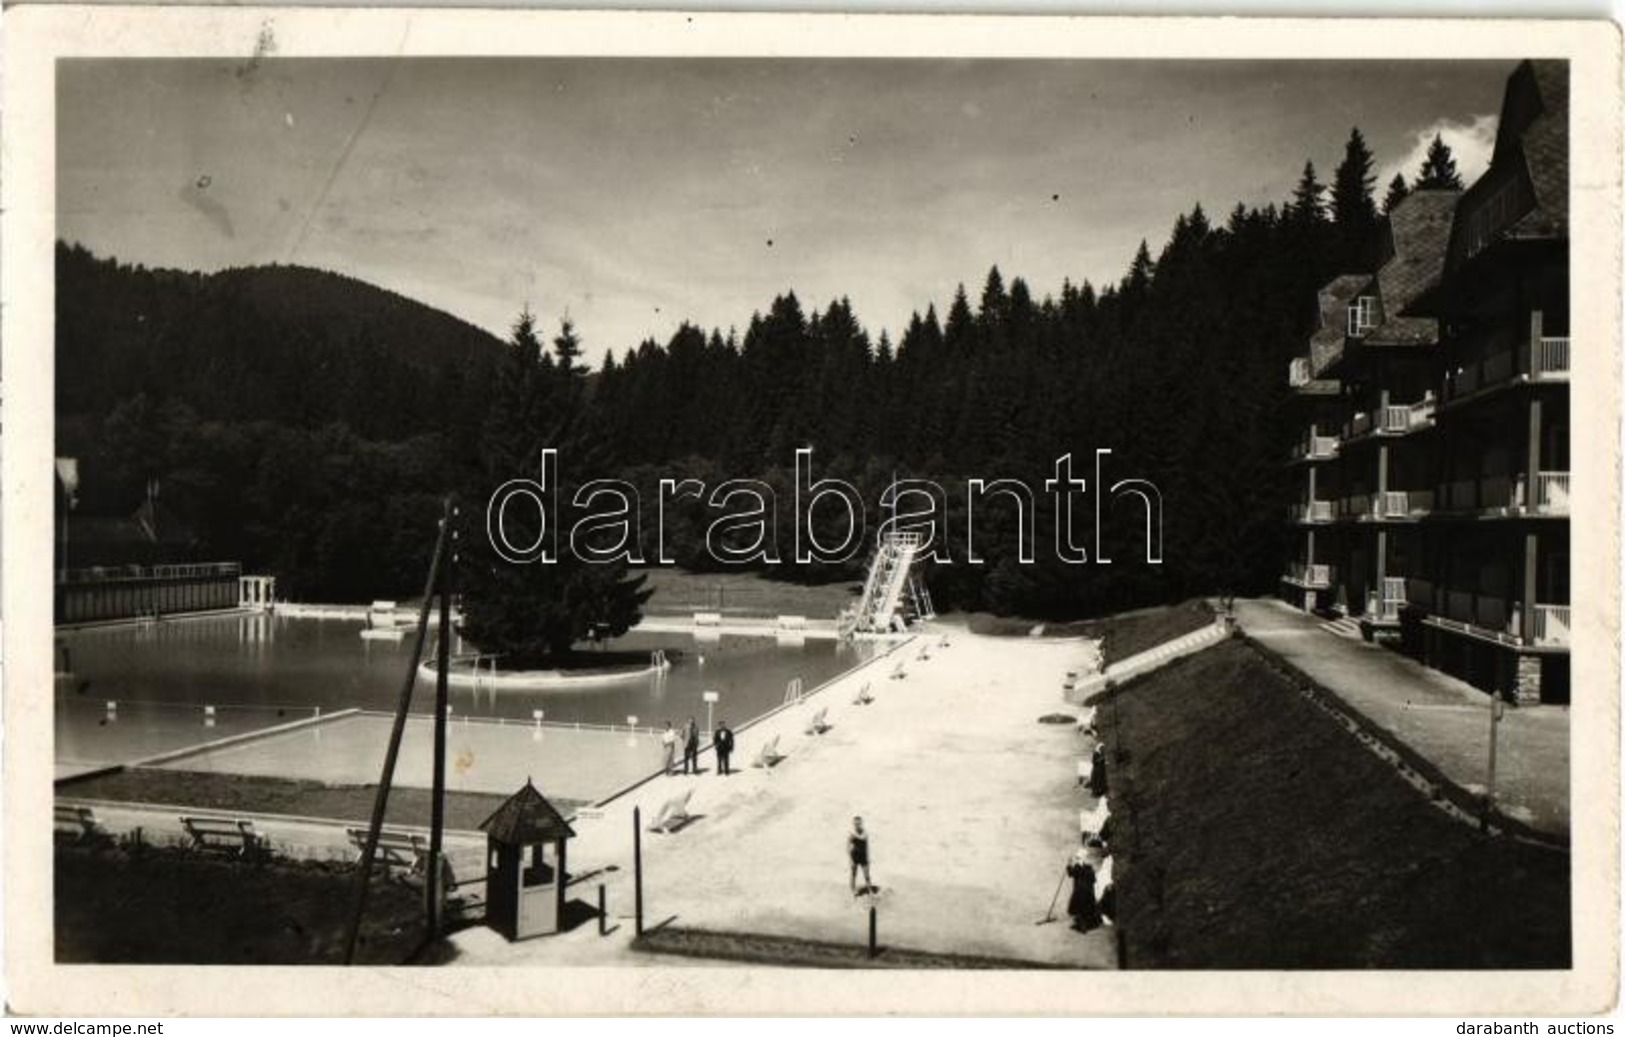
[261, 670]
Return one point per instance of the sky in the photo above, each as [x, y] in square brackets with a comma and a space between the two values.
[632, 194]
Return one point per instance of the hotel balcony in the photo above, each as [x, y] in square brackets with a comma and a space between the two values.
[1504, 495]
[1314, 576]
[1315, 447]
[1315, 511]
[1483, 616]
[1403, 504]
[1357, 508]
[1491, 618]
[1551, 493]
[1391, 505]
[1542, 359]
[1551, 626]
[1383, 607]
[1300, 377]
[1402, 419]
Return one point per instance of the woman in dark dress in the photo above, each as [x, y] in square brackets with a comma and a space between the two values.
[1082, 907]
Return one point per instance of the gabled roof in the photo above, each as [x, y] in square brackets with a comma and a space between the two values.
[1545, 147]
[526, 818]
[1326, 344]
[1525, 193]
[1418, 232]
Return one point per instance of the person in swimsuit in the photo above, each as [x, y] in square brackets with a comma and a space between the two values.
[857, 851]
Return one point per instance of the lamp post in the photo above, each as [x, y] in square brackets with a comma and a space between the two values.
[710, 698]
[1497, 710]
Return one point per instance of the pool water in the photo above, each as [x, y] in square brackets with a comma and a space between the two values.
[258, 671]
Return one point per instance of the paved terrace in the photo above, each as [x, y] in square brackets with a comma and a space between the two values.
[1443, 719]
[971, 804]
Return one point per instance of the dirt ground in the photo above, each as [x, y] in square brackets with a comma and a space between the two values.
[1254, 833]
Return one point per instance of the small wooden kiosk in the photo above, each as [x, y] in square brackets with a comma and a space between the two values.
[524, 891]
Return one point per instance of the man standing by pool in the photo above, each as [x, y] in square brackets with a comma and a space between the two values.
[691, 746]
[723, 742]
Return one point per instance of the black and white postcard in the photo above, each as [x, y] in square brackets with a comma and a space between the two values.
[613, 500]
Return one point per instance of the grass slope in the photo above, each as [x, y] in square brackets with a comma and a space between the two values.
[166, 906]
[1126, 634]
[1253, 833]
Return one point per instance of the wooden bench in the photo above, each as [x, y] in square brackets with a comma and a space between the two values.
[673, 813]
[818, 725]
[397, 850]
[231, 836]
[79, 824]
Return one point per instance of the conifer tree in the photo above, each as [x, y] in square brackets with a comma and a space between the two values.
[531, 614]
[1439, 168]
[1308, 205]
[1397, 190]
[1353, 209]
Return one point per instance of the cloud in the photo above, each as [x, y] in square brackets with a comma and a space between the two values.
[1470, 142]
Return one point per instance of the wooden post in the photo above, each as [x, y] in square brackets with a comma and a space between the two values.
[637, 870]
[435, 886]
[381, 801]
[603, 916]
[873, 946]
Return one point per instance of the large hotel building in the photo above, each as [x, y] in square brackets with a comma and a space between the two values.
[1433, 468]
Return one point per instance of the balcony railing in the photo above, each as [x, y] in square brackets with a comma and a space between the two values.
[1383, 606]
[1317, 575]
[1546, 358]
[1398, 419]
[190, 571]
[1551, 356]
[1297, 374]
[1316, 447]
[1484, 611]
[1314, 511]
[1355, 507]
[1419, 592]
[1405, 503]
[1552, 493]
[1551, 626]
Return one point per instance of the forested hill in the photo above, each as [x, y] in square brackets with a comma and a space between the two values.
[290, 344]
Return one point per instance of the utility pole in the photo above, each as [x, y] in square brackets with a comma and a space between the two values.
[386, 778]
[435, 886]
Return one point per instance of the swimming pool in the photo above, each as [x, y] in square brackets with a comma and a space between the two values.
[258, 671]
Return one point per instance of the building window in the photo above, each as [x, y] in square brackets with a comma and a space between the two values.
[1363, 314]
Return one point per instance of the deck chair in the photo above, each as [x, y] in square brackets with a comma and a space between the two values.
[897, 674]
[943, 643]
[818, 725]
[864, 698]
[925, 654]
[769, 754]
[1091, 820]
[673, 813]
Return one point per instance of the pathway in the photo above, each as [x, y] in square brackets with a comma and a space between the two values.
[1445, 720]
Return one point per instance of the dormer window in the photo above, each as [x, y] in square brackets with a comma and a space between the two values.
[1363, 315]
